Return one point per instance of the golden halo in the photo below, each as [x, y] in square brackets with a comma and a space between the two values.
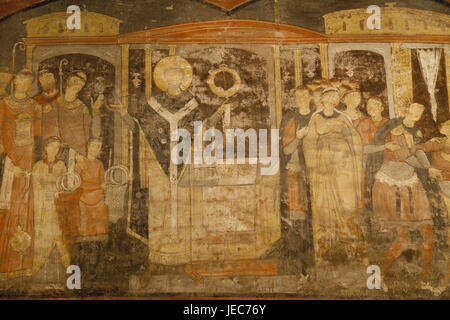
[220, 91]
[163, 79]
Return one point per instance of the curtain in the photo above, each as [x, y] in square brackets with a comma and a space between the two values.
[429, 60]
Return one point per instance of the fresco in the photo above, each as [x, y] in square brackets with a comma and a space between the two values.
[230, 156]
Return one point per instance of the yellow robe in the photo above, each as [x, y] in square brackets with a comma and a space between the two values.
[47, 231]
[333, 155]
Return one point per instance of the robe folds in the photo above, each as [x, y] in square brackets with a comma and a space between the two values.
[333, 154]
[83, 213]
[19, 124]
[47, 228]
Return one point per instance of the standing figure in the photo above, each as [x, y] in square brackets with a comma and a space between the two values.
[294, 129]
[352, 100]
[19, 127]
[49, 94]
[440, 170]
[333, 155]
[73, 118]
[367, 128]
[47, 231]
[90, 243]
[399, 199]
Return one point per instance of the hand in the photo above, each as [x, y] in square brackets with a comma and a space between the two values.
[302, 132]
[98, 103]
[392, 146]
[103, 186]
[438, 139]
[19, 171]
[435, 173]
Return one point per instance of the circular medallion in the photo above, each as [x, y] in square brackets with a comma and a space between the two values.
[110, 175]
[20, 241]
[63, 185]
[223, 90]
[173, 75]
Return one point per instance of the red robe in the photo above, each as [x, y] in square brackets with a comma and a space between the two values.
[74, 123]
[19, 124]
[93, 210]
[49, 122]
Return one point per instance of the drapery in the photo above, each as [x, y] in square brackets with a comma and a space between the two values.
[429, 60]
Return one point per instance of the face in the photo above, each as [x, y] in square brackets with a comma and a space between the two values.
[136, 82]
[316, 98]
[23, 83]
[330, 99]
[174, 76]
[353, 99]
[302, 97]
[52, 149]
[5, 78]
[94, 148]
[374, 108]
[445, 129]
[47, 81]
[415, 112]
[75, 84]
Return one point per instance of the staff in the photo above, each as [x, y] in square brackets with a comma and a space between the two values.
[61, 73]
[13, 66]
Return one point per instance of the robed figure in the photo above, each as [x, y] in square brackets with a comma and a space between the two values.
[19, 125]
[333, 155]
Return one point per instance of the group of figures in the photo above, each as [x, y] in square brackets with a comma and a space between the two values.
[342, 166]
[52, 181]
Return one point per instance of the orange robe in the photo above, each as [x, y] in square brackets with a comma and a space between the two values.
[19, 124]
[49, 122]
[93, 222]
[74, 123]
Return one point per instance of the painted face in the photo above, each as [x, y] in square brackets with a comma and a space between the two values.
[136, 82]
[353, 99]
[415, 112]
[94, 148]
[445, 129]
[47, 81]
[5, 78]
[174, 76]
[52, 149]
[302, 97]
[330, 99]
[374, 108]
[316, 98]
[75, 84]
[23, 83]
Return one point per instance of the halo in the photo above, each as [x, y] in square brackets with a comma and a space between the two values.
[220, 91]
[172, 62]
[61, 187]
[109, 175]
